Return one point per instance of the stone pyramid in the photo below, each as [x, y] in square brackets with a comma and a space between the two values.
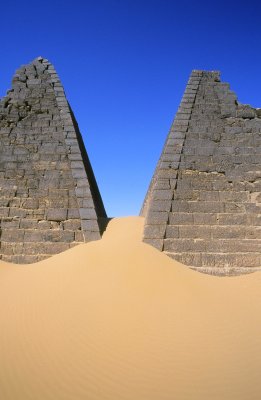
[49, 199]
[203, 206]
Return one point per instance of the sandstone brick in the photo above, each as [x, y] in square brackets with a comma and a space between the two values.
[54, 248]
[32, 235]
[10, 223]
[29, 223]
[30, 203]
[90, 225]
[17, 213]
[87, 213]
[154, 231]
[72, 224]
[158, 243]
[195, 231]
[73, 213]
[10, 248]
[171, 231]
[57, 214]
[155, 217]
[85, 203]
[79, 236]
[161, 205]
[180, 219]
[228, 231]
[4, 211]
[21, 258]
[162, 194]
[83, 192]
[89, 236]
[206, 218]
[43, 224]
[191, 259]
[52, 235]
[12, 235]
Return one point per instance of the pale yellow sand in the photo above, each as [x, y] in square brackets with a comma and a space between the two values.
[117, 320]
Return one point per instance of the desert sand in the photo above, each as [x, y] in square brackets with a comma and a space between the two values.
[118, 320]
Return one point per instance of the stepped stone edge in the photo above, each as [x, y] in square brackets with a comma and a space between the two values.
[194, 81]
[69, 127]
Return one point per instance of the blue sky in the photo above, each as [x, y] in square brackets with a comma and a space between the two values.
[124, 66]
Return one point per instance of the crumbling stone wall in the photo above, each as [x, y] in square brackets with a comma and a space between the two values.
[203, 206]
[49, 199]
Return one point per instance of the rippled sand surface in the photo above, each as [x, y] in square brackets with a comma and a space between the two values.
[117, 320]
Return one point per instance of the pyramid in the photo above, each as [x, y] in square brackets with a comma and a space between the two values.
[49, 199]
[203, 206]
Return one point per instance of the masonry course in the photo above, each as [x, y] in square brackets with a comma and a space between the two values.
[203, 205]
[49, 199]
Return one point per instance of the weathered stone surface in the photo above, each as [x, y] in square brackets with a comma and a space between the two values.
[203, 204]
[49, 199]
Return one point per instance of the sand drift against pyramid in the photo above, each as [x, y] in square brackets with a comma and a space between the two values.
[49, 199]
[203, 206]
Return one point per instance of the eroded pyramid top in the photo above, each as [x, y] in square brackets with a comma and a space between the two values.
[49, 196]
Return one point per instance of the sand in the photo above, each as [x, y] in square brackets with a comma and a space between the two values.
[117, 320]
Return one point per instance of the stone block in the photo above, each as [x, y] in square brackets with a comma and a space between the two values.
[72, 224]
[161, 205]
[205, 218]
[162, 184]
[157, 243]
[253, 232]
[10, 223]
[194, 232]
[85, 203]
[89, 236]
[232, 219]
[17, 213]
[30, 203]
[162, 195]
[9, 248]
[167, 173]
[83, 192]
[169, 164]
[157, 217]
[4, 211]
[191, 259]
[183, 194]
[234, 208]
[206, 206]
[78, 173]
[73, 213]
[54, 248]
[180, 218]
[87, 213]
[77, 165]
[154, 231]
[90, 225]
[28, 223]
[52, 235]
[184, 245]
[57, 193]
[172, 231]
[33, 235]
[57, 214]
[12, 235]
[79, 237]
[230, 231]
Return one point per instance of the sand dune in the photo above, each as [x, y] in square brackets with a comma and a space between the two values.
[117, 320]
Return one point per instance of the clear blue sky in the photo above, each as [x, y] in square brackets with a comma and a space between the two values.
[124, 66]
